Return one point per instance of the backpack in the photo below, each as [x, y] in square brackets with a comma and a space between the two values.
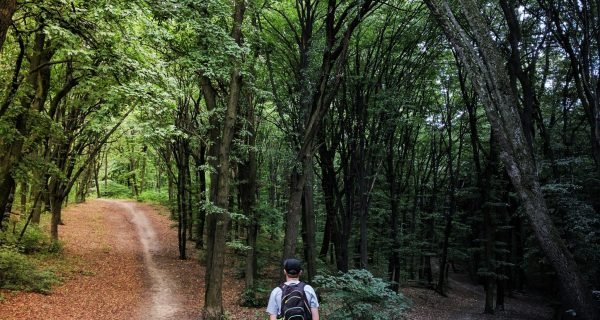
[294, 304]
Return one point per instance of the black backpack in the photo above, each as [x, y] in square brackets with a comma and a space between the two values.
[294, 304]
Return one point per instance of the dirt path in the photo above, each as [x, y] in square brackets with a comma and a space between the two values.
[121, 263]
[165, 303]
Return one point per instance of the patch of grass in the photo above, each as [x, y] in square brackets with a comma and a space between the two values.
[18, 272]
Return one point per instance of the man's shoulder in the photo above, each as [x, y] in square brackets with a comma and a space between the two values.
[278, 288]
[308, 287]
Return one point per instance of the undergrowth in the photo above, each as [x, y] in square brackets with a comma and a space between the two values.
[153, 196]
[18, 272]
[19, 257]
[359, 295]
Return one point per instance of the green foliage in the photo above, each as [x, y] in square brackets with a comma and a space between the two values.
[115, 190]
[359, 295]
[154, 196]
[238, 247]
[17, 272]
[580, 224]
[35, 240]
[270, 218]
[255, 297]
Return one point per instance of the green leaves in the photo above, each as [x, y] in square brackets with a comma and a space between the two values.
[357, 294]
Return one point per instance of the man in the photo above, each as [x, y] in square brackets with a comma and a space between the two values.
[292, 269]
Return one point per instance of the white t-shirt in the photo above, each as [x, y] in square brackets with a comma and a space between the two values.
[274, 306]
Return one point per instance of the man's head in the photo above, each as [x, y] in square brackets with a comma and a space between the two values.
[292, 267]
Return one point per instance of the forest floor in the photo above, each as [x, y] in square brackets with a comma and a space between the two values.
[466, 301]
[120, 261]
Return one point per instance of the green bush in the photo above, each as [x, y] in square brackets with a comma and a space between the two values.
[17, 272]
[34, 240]
[114, 190]
[359, 295]
[155, 197]
[255, 298]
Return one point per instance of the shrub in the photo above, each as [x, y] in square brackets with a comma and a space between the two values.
[359, 295]
[17, 272]
[255, 298]
[155, 197]
[115, 190]
[34, 240]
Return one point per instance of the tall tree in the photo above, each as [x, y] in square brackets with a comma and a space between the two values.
[213, 304]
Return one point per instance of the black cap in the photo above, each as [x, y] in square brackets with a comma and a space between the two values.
[292, 266]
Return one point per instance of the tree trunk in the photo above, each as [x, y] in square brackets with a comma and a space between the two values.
[394, 258]
[144, 154]
[248, 188]
[7, 9]
[201, 182]
[96, 168]
[489, 226]
[133, 176]
[294, 211]
[56, 210]
[36, 211]
[182, 161]
[363, 230]
[158, 176]
[106, 171]
[84, 182]
[24, 191]
[489, 287]
[213, 303]
[329, 186]
[309, 227]
[190, 198]
[444, 257]
[487, 70]
[428, 205]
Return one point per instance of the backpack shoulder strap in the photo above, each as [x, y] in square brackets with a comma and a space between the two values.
[301, 286]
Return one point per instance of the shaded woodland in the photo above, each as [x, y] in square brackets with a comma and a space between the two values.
[409, 139]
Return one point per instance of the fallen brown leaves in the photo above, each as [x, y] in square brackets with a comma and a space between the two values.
[100, 282]
[466, 302]
[105, 275]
